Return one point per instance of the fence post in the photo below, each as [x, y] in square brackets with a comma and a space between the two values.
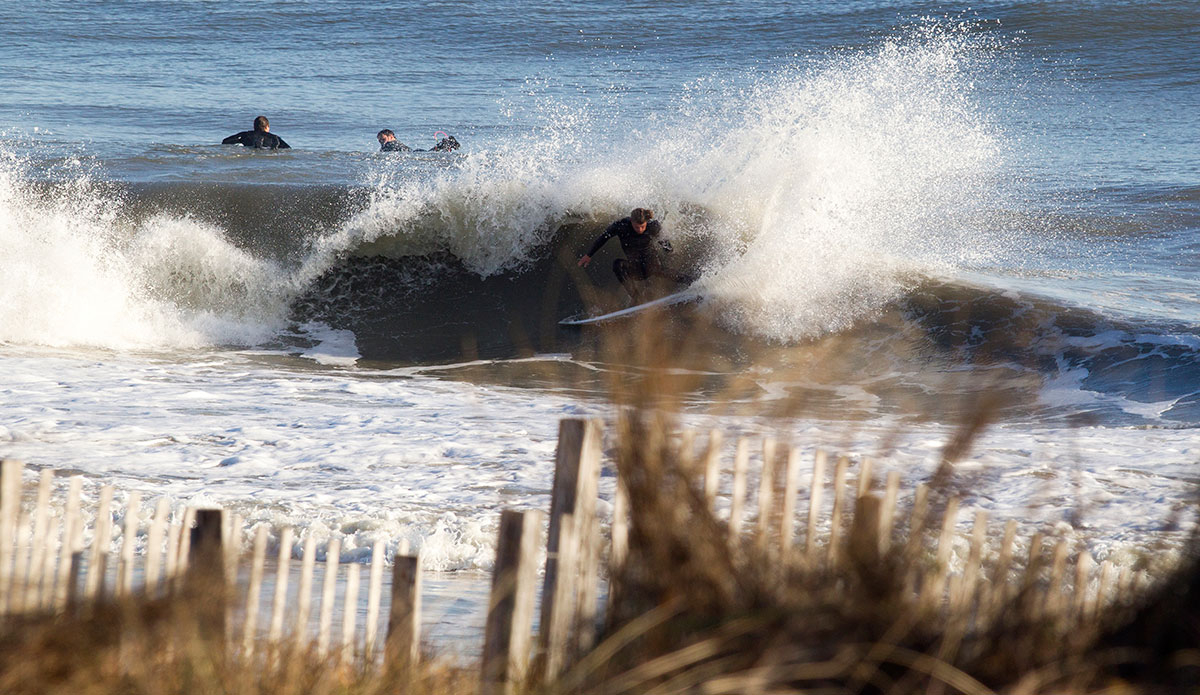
[10, 502]
[573, 504]
[204, 581]
[865, 541]
[507, 635]
[403, 640]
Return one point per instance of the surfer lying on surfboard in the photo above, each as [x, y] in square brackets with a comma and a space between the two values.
[642, 260]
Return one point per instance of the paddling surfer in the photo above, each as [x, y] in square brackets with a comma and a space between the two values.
[261, 138]
[642, 260]
[389, 143]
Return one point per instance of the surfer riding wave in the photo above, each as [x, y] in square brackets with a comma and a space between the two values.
[642, 260]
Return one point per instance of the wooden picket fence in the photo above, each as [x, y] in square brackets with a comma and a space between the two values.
[46, 565]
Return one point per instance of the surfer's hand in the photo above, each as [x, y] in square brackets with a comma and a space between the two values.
[583, 262]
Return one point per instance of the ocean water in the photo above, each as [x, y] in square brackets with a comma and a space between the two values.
[895, 211]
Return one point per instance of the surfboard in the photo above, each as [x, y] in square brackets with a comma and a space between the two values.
[681, 297]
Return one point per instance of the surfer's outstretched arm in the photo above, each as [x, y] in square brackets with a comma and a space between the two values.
[600, 241]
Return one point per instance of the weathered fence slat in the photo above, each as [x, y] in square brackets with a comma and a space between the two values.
[231, 539]
[917, 518]
[350, 610]
[128, 544]
[766, 494]
[935, 585]
[374, 595]
[506, 643]
[1000, 584]
[555, 635]
[304, 597]
[839, 505]
[865, 481]
[619, 529]
[814, 505]
[970, 576]
[333, 550]
[1054, 592]
[154, 546]
[791, 485]
[101, 545]
[10, 503]
[887, 517]
[1103, 585]
[712, 468]
[20, 566]
[687, 450]
[72, 532]
[1083, 568]
[737, 500]
[185, 539]
[282, 571]
[39, 542]
[254, 590]
[44, 598]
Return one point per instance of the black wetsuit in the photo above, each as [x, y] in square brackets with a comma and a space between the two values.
[394, 146]
[446, 144]
[641, 259]
[258, 139]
